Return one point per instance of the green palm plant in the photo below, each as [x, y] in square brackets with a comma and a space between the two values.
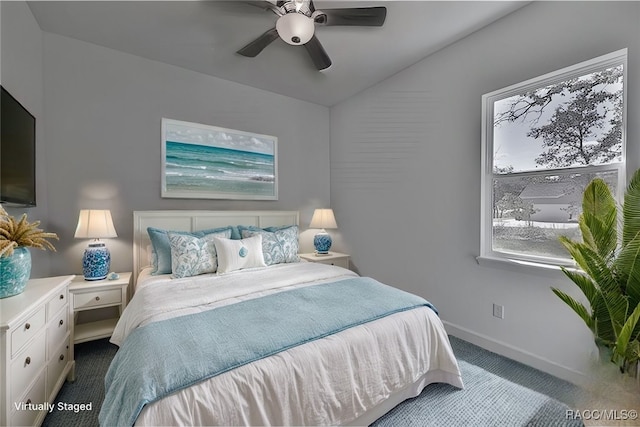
[610, 270]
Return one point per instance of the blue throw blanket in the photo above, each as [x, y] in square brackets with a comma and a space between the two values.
[166, 356]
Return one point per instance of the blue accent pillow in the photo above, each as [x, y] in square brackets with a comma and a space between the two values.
[241, 228]
[162, 247]
[235, 232]
[279, 244]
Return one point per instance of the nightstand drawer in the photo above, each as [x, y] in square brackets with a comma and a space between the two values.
[28, 329]
[334, 258]
[95, 299]
[26, 366]
[344, 263]
[55, 304]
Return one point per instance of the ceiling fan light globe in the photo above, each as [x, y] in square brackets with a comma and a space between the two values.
[295, 28]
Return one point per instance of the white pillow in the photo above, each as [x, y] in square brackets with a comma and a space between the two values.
[191, 256]
[238, 254]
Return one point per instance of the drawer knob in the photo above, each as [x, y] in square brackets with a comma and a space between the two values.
[62, 357]
[97, 298]
[27, 361]
[61, 322]
[27, 325]
[61, 296]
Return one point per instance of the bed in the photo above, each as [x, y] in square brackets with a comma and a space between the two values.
[266, 340]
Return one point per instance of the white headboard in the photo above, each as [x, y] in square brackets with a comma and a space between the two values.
[197, 220]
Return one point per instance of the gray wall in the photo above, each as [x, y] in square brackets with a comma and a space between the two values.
[22, 71]
[405, 176]
[103, 113]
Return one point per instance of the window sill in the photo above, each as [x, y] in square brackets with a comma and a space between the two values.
[520, 266]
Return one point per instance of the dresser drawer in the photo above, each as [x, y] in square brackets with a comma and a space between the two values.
[26, 366]
[57, 362]
[98, 298]
[57, 329]
[26, 330]
[56, 303]
[23, 416]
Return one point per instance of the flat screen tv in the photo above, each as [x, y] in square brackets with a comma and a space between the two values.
[17, 153]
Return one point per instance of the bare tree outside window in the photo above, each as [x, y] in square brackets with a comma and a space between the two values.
[546, 139]
[577, 121]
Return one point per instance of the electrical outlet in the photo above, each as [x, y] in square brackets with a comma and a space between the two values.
[498, 311]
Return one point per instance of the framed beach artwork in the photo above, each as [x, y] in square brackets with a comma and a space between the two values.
[208, 162]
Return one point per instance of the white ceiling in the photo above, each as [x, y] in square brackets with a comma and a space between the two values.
[204, 36]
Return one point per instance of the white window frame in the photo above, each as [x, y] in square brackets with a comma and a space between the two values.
[486, 193]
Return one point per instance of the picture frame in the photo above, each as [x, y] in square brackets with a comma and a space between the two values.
[208, 162]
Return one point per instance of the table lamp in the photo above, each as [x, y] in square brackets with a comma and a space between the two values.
[95, 224]
[323, 218]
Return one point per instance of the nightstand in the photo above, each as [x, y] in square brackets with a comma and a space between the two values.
[334, 258]
[94, 295]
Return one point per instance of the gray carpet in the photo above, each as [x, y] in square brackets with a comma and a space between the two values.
[498, 392]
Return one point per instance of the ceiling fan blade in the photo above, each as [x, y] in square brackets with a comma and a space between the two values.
[255, 47]
[360, 16]
[318, 54]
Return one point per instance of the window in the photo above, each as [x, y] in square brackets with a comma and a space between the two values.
[543, 141]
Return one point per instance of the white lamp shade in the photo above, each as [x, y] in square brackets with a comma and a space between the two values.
[95, 224]
[295, 28]
[323, 218]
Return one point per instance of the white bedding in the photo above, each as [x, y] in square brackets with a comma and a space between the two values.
[340, 379]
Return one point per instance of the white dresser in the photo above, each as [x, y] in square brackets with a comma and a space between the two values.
[35, 357]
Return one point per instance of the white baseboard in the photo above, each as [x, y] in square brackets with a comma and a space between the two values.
[517, 354]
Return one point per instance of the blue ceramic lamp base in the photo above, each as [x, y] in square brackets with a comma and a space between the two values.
[96, 261]
[322, 242]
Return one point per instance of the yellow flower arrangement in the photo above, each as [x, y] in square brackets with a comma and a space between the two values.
[15, 233]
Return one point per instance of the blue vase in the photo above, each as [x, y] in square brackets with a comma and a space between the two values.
[15, 271]
[322, 242]
[96, 261]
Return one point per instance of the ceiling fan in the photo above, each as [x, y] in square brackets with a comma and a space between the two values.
[296, 25]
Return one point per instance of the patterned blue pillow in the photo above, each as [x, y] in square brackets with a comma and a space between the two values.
[271, 247]
[161, 255]
[191, 256]
[278, 246]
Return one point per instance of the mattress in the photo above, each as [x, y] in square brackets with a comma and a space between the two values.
[350, 377]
